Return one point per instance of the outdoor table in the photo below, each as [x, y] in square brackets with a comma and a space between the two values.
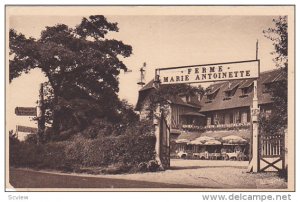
[231, 155]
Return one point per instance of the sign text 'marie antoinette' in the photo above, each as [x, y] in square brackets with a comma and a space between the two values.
[210, 72]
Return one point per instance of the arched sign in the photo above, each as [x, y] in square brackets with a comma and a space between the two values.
[211, 73]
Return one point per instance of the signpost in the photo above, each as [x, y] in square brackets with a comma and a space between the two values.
[32, 111]
[26, 111]
[211, 73]
[26, 129]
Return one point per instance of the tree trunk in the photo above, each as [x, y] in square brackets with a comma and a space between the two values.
[56, 121]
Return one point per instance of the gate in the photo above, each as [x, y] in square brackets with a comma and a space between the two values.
[164, 142]
[271, 152]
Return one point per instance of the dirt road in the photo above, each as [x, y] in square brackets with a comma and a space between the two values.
[183, 174]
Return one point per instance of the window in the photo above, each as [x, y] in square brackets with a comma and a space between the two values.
[211, 94]
[246, 91]
[237, 117]
[216, 119]
[246, 88]
[222, 118]
[231, 117]
[227, 118]
[208, 121]
[248, 116]
[228, 94]
[219, 119]
[244, 117]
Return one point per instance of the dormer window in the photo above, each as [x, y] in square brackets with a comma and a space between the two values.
[228, 94]
[246, 91]
[211, 94]
[232, 86]
[246, 88]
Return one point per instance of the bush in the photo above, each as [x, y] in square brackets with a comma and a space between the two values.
[142, 167]
[152, 166]
[54, 156]
[50, 155]
[131, 151]
[117, 149]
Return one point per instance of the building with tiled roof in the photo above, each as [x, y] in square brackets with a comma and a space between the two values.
[224, 110]
[179, 104]
[238, 93]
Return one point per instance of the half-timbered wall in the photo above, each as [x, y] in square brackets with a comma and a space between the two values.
[176, 112]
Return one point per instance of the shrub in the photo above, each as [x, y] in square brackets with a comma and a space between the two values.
[118, 149]
[54, 156]
[117, 153]
[142, 167]
[152, 166]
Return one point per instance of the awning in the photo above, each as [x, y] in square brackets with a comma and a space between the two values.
[233, 139]
[230, 137]
[204, 139]
[192, 114]
[182, 141]
[213, 142]
[245, 134]
[196, 142]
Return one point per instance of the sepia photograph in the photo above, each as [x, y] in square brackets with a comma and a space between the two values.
[150, 98]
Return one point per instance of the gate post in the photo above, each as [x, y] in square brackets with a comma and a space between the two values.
[254, 163]
[156, 123]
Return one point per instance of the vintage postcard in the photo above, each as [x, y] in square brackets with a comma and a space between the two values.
[150, 98]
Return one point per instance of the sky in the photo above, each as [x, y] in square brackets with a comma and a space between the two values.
[160, 41]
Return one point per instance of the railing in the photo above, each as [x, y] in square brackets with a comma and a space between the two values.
[191, 127]
[232, 126]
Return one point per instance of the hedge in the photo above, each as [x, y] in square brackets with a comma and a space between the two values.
[124, 151]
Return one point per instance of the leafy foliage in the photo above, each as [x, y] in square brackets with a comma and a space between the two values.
[114, 153]
[80, 64]
[279, 36]
[167, 92]
[277, 122]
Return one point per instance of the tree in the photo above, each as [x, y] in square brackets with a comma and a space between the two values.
[279, 36]
[79, 62]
